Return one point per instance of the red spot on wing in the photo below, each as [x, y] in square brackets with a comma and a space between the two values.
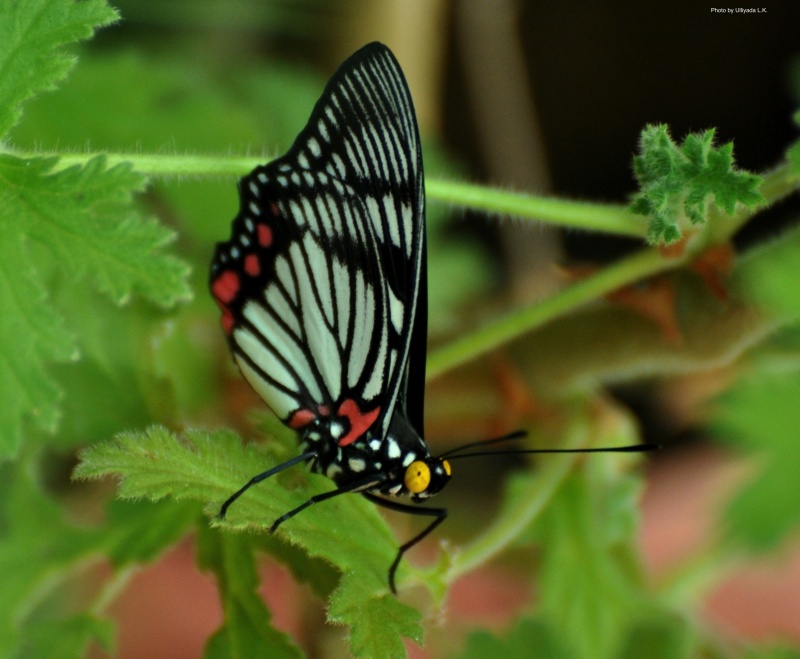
[226, 287]
[264, 235]
[301, 418]
[359, 421]
[273, 208]
[228, 321]
[252, 266]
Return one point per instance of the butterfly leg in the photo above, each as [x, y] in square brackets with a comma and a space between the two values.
[439, 513]
[350, 487]
[262, 476]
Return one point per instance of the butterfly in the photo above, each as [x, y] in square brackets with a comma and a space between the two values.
[323, 292]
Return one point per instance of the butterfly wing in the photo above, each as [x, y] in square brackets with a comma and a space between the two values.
[319, 283]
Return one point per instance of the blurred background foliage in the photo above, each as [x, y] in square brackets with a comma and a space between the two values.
[538, 97]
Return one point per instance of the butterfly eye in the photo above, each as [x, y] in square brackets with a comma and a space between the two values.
[418, 476]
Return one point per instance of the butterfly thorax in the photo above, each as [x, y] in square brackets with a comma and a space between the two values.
[398, 464]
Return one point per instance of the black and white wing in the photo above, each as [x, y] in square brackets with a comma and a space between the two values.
[320, 283]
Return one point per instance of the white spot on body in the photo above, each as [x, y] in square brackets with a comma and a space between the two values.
[356, 464]
[254, 209]
[392, 448]
[410, 457]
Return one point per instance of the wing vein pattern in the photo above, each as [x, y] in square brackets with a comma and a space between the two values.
[321, 278]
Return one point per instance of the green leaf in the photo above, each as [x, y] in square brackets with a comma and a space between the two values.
[42, 557]
[758, 412]
[33, 39]
[776, 651]
[793, 152]
[346, 531]
[31, 334]
[529, 638]
[759, 415]
[607, 344]
[59, 227]
[377, 622]
[676, 183]
[139, 532]
[66, 638]
[37, 547]
[769, 274]
[83, 215]
[589, 578]
[246, 631]
[665, 636]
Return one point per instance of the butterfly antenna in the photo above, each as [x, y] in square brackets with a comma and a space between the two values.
[634, 448]
[517, 434]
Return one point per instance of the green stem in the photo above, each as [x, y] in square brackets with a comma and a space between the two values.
[155, 164]
[513, 521]
[111, 589]
[576, 215]
[642, 264]
[608, 218]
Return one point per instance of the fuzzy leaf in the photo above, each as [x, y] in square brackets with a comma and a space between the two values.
[83, 215]
[377, 623]
[676, 183]
[346, 531]
[33, 40]
[246, 631]
[31, 334]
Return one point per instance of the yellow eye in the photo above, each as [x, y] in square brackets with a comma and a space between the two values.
[446, 466]
[418, 476]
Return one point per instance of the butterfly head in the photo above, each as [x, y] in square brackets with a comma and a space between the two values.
[424, 478]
